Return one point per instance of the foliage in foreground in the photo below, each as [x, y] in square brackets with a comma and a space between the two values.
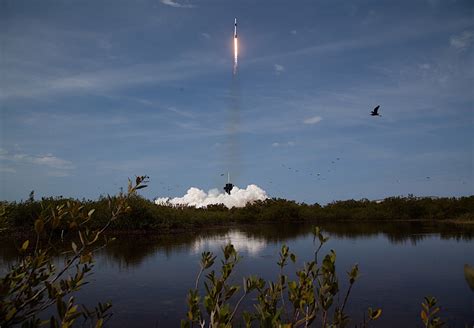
[309, 300]
[34, 284]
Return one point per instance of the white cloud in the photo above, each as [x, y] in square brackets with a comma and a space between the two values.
[283, 144]
[51, 161]
[425, 66]
[176, 4]
[462, 40]
[206, 35]
[293, 32]
[279, 68]
[313, 120]
[61, 166]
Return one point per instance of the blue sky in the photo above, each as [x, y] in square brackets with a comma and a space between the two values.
[94, 92]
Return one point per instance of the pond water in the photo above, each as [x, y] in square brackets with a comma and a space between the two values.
[147, 277]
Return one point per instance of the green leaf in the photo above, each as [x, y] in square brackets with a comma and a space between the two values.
[376, 314]
[74, 247]
[293, 257]
[10, 313]
[39, 226]
[99, 323]
[424, 317]
[25, 245]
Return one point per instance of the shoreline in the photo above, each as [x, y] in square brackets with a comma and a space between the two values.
[213, 227]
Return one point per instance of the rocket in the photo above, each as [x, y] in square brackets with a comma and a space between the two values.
[235, 28]
[228, 186]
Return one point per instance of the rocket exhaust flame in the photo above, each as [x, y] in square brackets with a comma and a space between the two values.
[236, 47]
[236, 51]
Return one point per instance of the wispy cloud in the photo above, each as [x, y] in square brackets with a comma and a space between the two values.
[206, 35]
[463, 40]
[114, 78]
[313, 120]
[181, 112]
[51, 161]
[176, 4]
[6, 169]
[411, 30]
[61, 166]
[279, 69]
[283, 144]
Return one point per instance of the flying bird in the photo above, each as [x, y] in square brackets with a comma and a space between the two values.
[375, 112]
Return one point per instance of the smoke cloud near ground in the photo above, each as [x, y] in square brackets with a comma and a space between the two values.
[198, 198]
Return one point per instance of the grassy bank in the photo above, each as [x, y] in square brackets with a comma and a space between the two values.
[145, 215]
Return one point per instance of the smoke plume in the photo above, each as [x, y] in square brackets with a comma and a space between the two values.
[198, 198]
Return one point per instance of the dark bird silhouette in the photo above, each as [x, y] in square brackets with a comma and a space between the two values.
[375, 112]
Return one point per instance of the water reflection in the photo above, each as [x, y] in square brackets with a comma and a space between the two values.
[252, 239]
[400, 232]
[132, 249]
[241, 241]
[147, 276]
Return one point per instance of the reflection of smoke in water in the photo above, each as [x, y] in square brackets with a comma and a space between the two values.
[198, 198]
[242, 243]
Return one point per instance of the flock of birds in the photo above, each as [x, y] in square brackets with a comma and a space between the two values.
[374, 112]
[323, 176]
[320, 176]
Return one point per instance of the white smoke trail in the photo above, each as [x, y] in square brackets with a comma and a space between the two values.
[198, 198]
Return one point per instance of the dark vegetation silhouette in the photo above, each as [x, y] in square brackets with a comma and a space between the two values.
[145, 215]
